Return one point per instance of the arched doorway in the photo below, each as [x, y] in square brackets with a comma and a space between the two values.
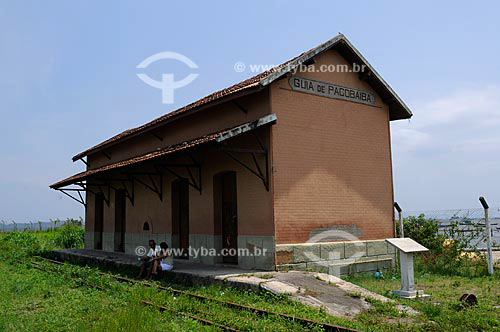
[98, 220]
[180, 216]
[120, 212]
[226, 214]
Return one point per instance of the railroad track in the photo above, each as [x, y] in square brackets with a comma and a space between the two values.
[162, 308]
[308, 323]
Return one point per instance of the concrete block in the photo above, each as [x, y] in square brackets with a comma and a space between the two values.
[144, 239]
[306, 253]
[366, 267]
[89, 236]
[378, 247]
[202, 241]
[250, 242]
[391, 249]
[246, 262]
[292, 267]
[128, 237]
[384, 265]
[333, 250]
[131, 249]
[355, 249]
[265, 262]
[394, 260]
[284, 247]
[108, 241]
[321, 266]
[141, 239]
[268, 243]
[217, 242]
[88, 244]
[108, 246]
[248, 282]
[284, 254]
[193, 241]
[131, 239]
[168, 239]
[278, 288]
[210, 242]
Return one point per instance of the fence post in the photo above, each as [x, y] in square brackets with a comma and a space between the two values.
[401, 225]
[488, 233]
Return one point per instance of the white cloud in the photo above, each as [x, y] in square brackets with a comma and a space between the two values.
[449, 153]
[409, 139]
[462, 120]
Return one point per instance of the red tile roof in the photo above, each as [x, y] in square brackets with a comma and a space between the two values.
[244, 85]
[155, 154]
[217, 136]
[397, 107]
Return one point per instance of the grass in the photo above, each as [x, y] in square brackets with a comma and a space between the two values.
[62, 300]
[442, 311]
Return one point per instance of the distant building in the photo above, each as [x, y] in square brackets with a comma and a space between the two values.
[294, 155]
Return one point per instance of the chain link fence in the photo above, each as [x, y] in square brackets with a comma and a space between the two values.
[465, 221]
[12, 226]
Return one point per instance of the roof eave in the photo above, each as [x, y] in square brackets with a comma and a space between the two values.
[235, 95]
[397, 108]
[217, 137]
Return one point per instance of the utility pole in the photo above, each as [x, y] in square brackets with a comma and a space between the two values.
[488, 233]
[401, 226]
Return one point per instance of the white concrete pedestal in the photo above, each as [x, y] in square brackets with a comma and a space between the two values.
[407, 247]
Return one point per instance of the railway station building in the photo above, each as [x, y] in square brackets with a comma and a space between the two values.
[292, 166]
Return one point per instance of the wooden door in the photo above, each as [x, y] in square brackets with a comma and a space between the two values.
[98, 220]
[180, 214]
[229, 215]
[120, 221]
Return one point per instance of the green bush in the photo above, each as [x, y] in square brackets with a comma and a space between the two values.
[447, 249]
[21, 239]
[16, 245]
[424, 231]
[70, 235]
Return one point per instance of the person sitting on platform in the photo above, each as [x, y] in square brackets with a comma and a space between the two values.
[163, 261]
[147, 261]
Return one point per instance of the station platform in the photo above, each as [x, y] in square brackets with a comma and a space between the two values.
[315, 289]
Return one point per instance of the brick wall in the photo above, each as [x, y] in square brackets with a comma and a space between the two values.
[218, 117]
[255, 216]
[331, 161]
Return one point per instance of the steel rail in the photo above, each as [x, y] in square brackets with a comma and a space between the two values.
[185, 314]
[204, 321]
[303, 321]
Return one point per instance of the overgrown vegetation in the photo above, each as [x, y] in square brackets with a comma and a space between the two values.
[443, 311]
[453, 249]
[70, 235]
[64, 299]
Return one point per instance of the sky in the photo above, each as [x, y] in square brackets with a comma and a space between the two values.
[68, 80]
